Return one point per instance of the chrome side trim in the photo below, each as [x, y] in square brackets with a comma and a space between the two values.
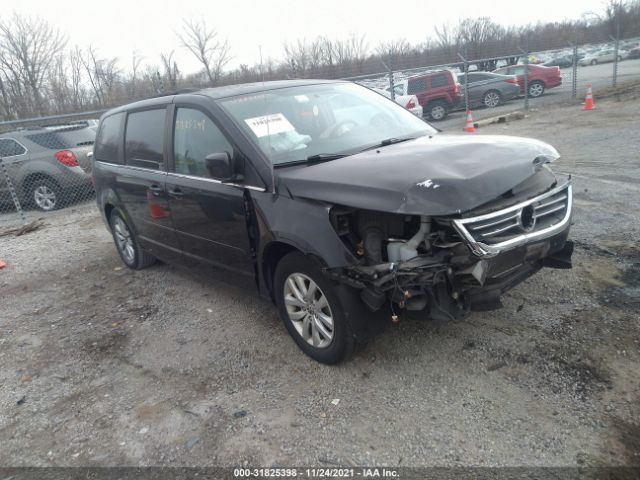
[180, 175]
[218, 182]
[486, 251]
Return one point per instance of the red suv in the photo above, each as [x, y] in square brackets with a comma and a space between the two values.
[540, 78]
[437, 91]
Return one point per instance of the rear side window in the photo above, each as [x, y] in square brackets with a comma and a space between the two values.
[108, 139]
[10, 148]
[144, 139]
[48, 140]
[417, 85]
[439, 81]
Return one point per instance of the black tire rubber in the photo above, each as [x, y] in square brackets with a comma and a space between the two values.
[487, 93]
[342, 343]
[142, 258]
[536, 82]
[432, 105]
[34, 183]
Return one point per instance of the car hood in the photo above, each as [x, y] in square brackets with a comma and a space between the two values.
[432, 175]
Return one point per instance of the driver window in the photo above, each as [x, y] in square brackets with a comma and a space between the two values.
[196, 136]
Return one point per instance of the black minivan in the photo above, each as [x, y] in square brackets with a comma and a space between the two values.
[346, 209]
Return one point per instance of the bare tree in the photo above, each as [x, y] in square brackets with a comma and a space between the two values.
[28, 48]
[171, 71]
[214, 54]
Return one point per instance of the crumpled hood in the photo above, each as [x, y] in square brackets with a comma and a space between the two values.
[437, 175]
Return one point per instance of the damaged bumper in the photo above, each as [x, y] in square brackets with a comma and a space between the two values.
[493, 252]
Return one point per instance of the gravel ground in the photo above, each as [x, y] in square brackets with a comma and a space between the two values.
[106, 366]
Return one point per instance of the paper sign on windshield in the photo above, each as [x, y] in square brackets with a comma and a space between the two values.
[269, 125]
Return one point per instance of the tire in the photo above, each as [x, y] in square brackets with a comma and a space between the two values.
[536, 89]
[127, 245]
[619, 58]
[319, 326]
[492, 98]
[594, 62]
[45, 194]
[437, 110]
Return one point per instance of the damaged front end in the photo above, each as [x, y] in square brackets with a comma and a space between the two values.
[444, 266]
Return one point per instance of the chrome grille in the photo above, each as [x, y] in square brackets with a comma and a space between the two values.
[538, 217]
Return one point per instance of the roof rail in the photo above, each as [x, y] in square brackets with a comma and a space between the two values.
[176, 92]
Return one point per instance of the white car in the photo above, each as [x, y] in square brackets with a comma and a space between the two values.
[410, 102]
[602, 56]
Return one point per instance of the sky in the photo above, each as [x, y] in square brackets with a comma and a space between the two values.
[118, 28]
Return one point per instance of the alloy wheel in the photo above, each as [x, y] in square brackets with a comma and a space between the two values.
[44, 197]
[535, 90]
[492, 99]
[309, 310]
[437, 112]
[124, 240]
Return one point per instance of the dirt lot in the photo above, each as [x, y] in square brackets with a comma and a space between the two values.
[105, 366]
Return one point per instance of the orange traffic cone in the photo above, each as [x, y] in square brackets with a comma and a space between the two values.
[469, 128]
[588, 101]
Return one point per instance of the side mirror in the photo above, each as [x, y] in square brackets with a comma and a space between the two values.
[220, 166]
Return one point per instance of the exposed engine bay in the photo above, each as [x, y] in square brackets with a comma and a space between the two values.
[447, 266]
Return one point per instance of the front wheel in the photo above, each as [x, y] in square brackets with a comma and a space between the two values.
[311, 310]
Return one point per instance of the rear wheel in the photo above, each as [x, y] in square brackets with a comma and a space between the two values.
[311, 310]
[437, 110]
[127, 245]
[45, 194]
[492, 99]
[536, 89]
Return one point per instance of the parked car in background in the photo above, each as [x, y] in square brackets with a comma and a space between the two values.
[563, 61]
[489, 89]
[602, 56]
[437, 91]
[540, 77]
[341, 222]
[634, 53]
[410, 102]
[48, 166]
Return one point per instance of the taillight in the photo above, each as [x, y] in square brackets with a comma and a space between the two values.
[457, 90]
[411, 105]
[67, 158]
[511, 80]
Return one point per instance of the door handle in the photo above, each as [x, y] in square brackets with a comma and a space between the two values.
[176, 192]
[155, 188]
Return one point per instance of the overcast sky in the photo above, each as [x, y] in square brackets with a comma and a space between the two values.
[118, 27]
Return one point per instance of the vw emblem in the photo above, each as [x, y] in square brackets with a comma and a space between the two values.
[527, 218]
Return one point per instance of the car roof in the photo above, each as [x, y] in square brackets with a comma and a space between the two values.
[217, 93]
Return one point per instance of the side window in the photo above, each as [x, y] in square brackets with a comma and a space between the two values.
[108, 139]
[196, 136]
[144, 139]
[10, 148]
[417, 85]
[439, 81]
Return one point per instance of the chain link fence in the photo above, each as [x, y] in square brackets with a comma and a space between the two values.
[45, 163]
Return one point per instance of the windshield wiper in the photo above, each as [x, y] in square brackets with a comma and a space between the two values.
[324, 157]
[388, 141]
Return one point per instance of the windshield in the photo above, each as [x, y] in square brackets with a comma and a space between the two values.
[293, 124]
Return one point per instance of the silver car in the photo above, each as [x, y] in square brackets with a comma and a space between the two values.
[490, 89]
[47, 166]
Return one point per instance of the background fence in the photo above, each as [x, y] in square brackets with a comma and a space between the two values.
[45, 161]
